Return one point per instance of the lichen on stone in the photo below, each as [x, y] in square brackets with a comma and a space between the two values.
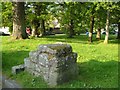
[53, 62]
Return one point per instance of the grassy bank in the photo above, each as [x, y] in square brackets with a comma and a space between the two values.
[97, 62]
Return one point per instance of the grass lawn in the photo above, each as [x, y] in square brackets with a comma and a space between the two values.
[97, 62]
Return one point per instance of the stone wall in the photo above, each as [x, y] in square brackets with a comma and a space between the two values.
[56, 63]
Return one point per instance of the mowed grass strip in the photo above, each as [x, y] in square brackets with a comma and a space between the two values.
[97, 62]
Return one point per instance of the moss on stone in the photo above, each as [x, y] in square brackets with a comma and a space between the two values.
[58, 47]
[50, 56]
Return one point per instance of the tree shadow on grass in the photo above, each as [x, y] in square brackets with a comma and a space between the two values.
[115, 41]
[80, 39]
[92, 74]
[95, 74]
[12, 58]
[25, 79]
[112, 39]
[63, 38]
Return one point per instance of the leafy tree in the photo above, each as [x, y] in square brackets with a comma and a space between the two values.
[109, 7]
[115, 16]
[67, 21]
[0, 14]
[100, 17]
[107, 27]
[7, 15]
[71, 18]
[91, 13]
[37, 14]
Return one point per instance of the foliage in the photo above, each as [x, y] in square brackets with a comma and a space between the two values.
[7, 15]
[115, 15]
[36, 13]
[79, 12]
[95, 61]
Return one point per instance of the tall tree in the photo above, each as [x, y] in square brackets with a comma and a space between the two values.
[37, 13]
[107, 27]
[100, 19]
[91, 28]
[115, 17]
[67, 18]
[19, 31]
[109, 7]
[92, 16]
[118, 36]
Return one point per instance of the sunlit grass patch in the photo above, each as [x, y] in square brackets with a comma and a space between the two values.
[97, 62]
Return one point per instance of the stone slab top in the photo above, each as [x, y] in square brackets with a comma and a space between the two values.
[55, 48]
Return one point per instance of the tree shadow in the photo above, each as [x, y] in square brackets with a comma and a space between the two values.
[95, 74]
[115, 41]
[12, 58]
[25, 79]
[92, 74]
[112, 39]
[65, 39]
[80, 39]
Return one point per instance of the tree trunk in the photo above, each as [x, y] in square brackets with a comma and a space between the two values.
[71, 23]
[71, 31]
[118, 35]
[107, 27]
[91, 28]
[35, 26]
[98, 36]
[42, 28]
[33, 31]
[19, 30]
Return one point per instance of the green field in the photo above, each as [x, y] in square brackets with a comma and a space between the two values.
[97, 62]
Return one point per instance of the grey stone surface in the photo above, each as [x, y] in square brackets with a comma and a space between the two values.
[17, 69]
[7, 83]
[56, 63]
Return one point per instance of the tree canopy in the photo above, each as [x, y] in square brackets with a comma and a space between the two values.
[74, 17]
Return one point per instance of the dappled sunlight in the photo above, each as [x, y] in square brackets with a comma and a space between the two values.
[95, 74]
[91, 30]
[97, 62]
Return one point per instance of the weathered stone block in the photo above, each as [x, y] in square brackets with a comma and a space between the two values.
[17, 69]
[56, 63]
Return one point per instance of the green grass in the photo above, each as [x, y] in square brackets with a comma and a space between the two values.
[97, 62]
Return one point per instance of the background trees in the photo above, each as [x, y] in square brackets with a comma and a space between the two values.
[74, 17]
